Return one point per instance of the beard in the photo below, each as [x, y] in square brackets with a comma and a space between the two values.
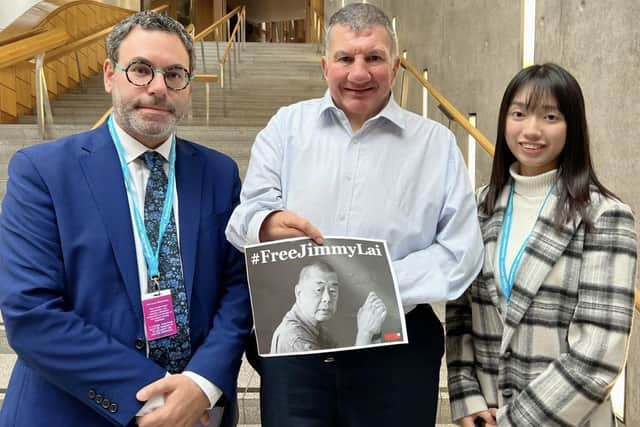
[144, 127]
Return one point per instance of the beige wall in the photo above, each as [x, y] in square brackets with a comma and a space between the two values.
[273, 10]
[10, 10]
[599, 41]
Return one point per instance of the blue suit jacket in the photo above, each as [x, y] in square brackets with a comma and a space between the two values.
[69, 288]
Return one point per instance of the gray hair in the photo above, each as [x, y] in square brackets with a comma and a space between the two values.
[361, 16]
[152, 21]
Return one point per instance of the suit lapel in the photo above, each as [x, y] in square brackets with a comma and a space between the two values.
[546, 245]
[102, 170]
[189, 171]
[491, 227]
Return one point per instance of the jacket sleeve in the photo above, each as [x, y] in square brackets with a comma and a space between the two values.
[465, 395]
[574, 384]
[48, 337]
[218, 359]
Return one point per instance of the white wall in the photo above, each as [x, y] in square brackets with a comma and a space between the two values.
[10, 10]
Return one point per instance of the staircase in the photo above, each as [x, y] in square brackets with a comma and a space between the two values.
[267, 77]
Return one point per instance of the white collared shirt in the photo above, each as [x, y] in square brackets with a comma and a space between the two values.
[133, 149]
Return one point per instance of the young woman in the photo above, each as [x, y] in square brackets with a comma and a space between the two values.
[541, 335]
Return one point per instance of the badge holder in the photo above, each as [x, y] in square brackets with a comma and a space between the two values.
[157, 310]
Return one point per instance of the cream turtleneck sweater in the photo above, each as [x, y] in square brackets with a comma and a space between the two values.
[529, 194]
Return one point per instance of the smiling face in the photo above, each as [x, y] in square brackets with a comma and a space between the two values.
[149, 113]
[359, 71]
[535, 132]
[317, 294]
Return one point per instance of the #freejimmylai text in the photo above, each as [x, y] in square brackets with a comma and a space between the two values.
[264, 256]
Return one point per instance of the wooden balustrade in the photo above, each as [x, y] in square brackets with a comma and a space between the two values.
[70, 33]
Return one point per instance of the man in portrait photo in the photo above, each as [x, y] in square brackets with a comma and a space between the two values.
[316, 302]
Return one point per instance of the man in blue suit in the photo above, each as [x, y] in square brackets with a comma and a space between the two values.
[110, 327]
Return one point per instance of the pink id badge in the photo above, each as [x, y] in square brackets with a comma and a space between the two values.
[159, 318]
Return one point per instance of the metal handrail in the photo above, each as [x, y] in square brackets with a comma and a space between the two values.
[204, 33]
[239, 33]
[227, 48]
[448, 108]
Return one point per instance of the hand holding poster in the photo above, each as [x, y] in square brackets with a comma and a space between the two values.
[309, 298]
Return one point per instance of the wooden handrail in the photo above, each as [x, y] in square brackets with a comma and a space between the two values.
[76, 45]
[204, 33]
[637, 304]
[83, 42]
[102, 118]
[21, 36]
[52, 43]
[227, 48]
[449, 108]
[25, 49]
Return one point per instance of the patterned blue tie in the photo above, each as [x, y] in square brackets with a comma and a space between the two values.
[172, 352]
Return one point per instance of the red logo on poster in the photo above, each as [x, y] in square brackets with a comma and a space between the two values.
[392, 336]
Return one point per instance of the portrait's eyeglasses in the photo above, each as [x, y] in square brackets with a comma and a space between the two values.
[141, 74]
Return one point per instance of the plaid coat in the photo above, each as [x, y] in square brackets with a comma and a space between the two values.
[553, 358]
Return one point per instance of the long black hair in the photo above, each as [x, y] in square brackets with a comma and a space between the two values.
[575, 169]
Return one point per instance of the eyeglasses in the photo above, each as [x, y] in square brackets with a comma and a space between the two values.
[141, 74]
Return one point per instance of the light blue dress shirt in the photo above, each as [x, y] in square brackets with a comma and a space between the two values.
[400, 178]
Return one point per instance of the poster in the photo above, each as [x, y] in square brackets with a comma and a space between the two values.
[308, 298]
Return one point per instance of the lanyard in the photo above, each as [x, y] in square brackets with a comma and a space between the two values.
[506, 282]
[151, 256]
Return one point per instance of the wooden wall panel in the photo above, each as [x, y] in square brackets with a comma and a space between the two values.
[51, 79]
[62, 75]
[76, 19]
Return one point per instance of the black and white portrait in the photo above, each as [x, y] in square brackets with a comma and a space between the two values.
[312, 298]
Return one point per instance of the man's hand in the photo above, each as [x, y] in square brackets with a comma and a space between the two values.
[370, 318]
[487, 416]
[185, 403]
[285, 224]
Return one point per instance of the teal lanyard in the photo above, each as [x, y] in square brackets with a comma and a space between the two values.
[151, 256]
[506, 282]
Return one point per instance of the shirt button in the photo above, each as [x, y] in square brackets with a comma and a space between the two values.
[139, 344]
[329, 360]
[507, 393]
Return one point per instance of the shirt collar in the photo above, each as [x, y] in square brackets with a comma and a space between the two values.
[134, 148]
[392, 112]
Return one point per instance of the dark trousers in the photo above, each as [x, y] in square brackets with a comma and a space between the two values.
[385, 386]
